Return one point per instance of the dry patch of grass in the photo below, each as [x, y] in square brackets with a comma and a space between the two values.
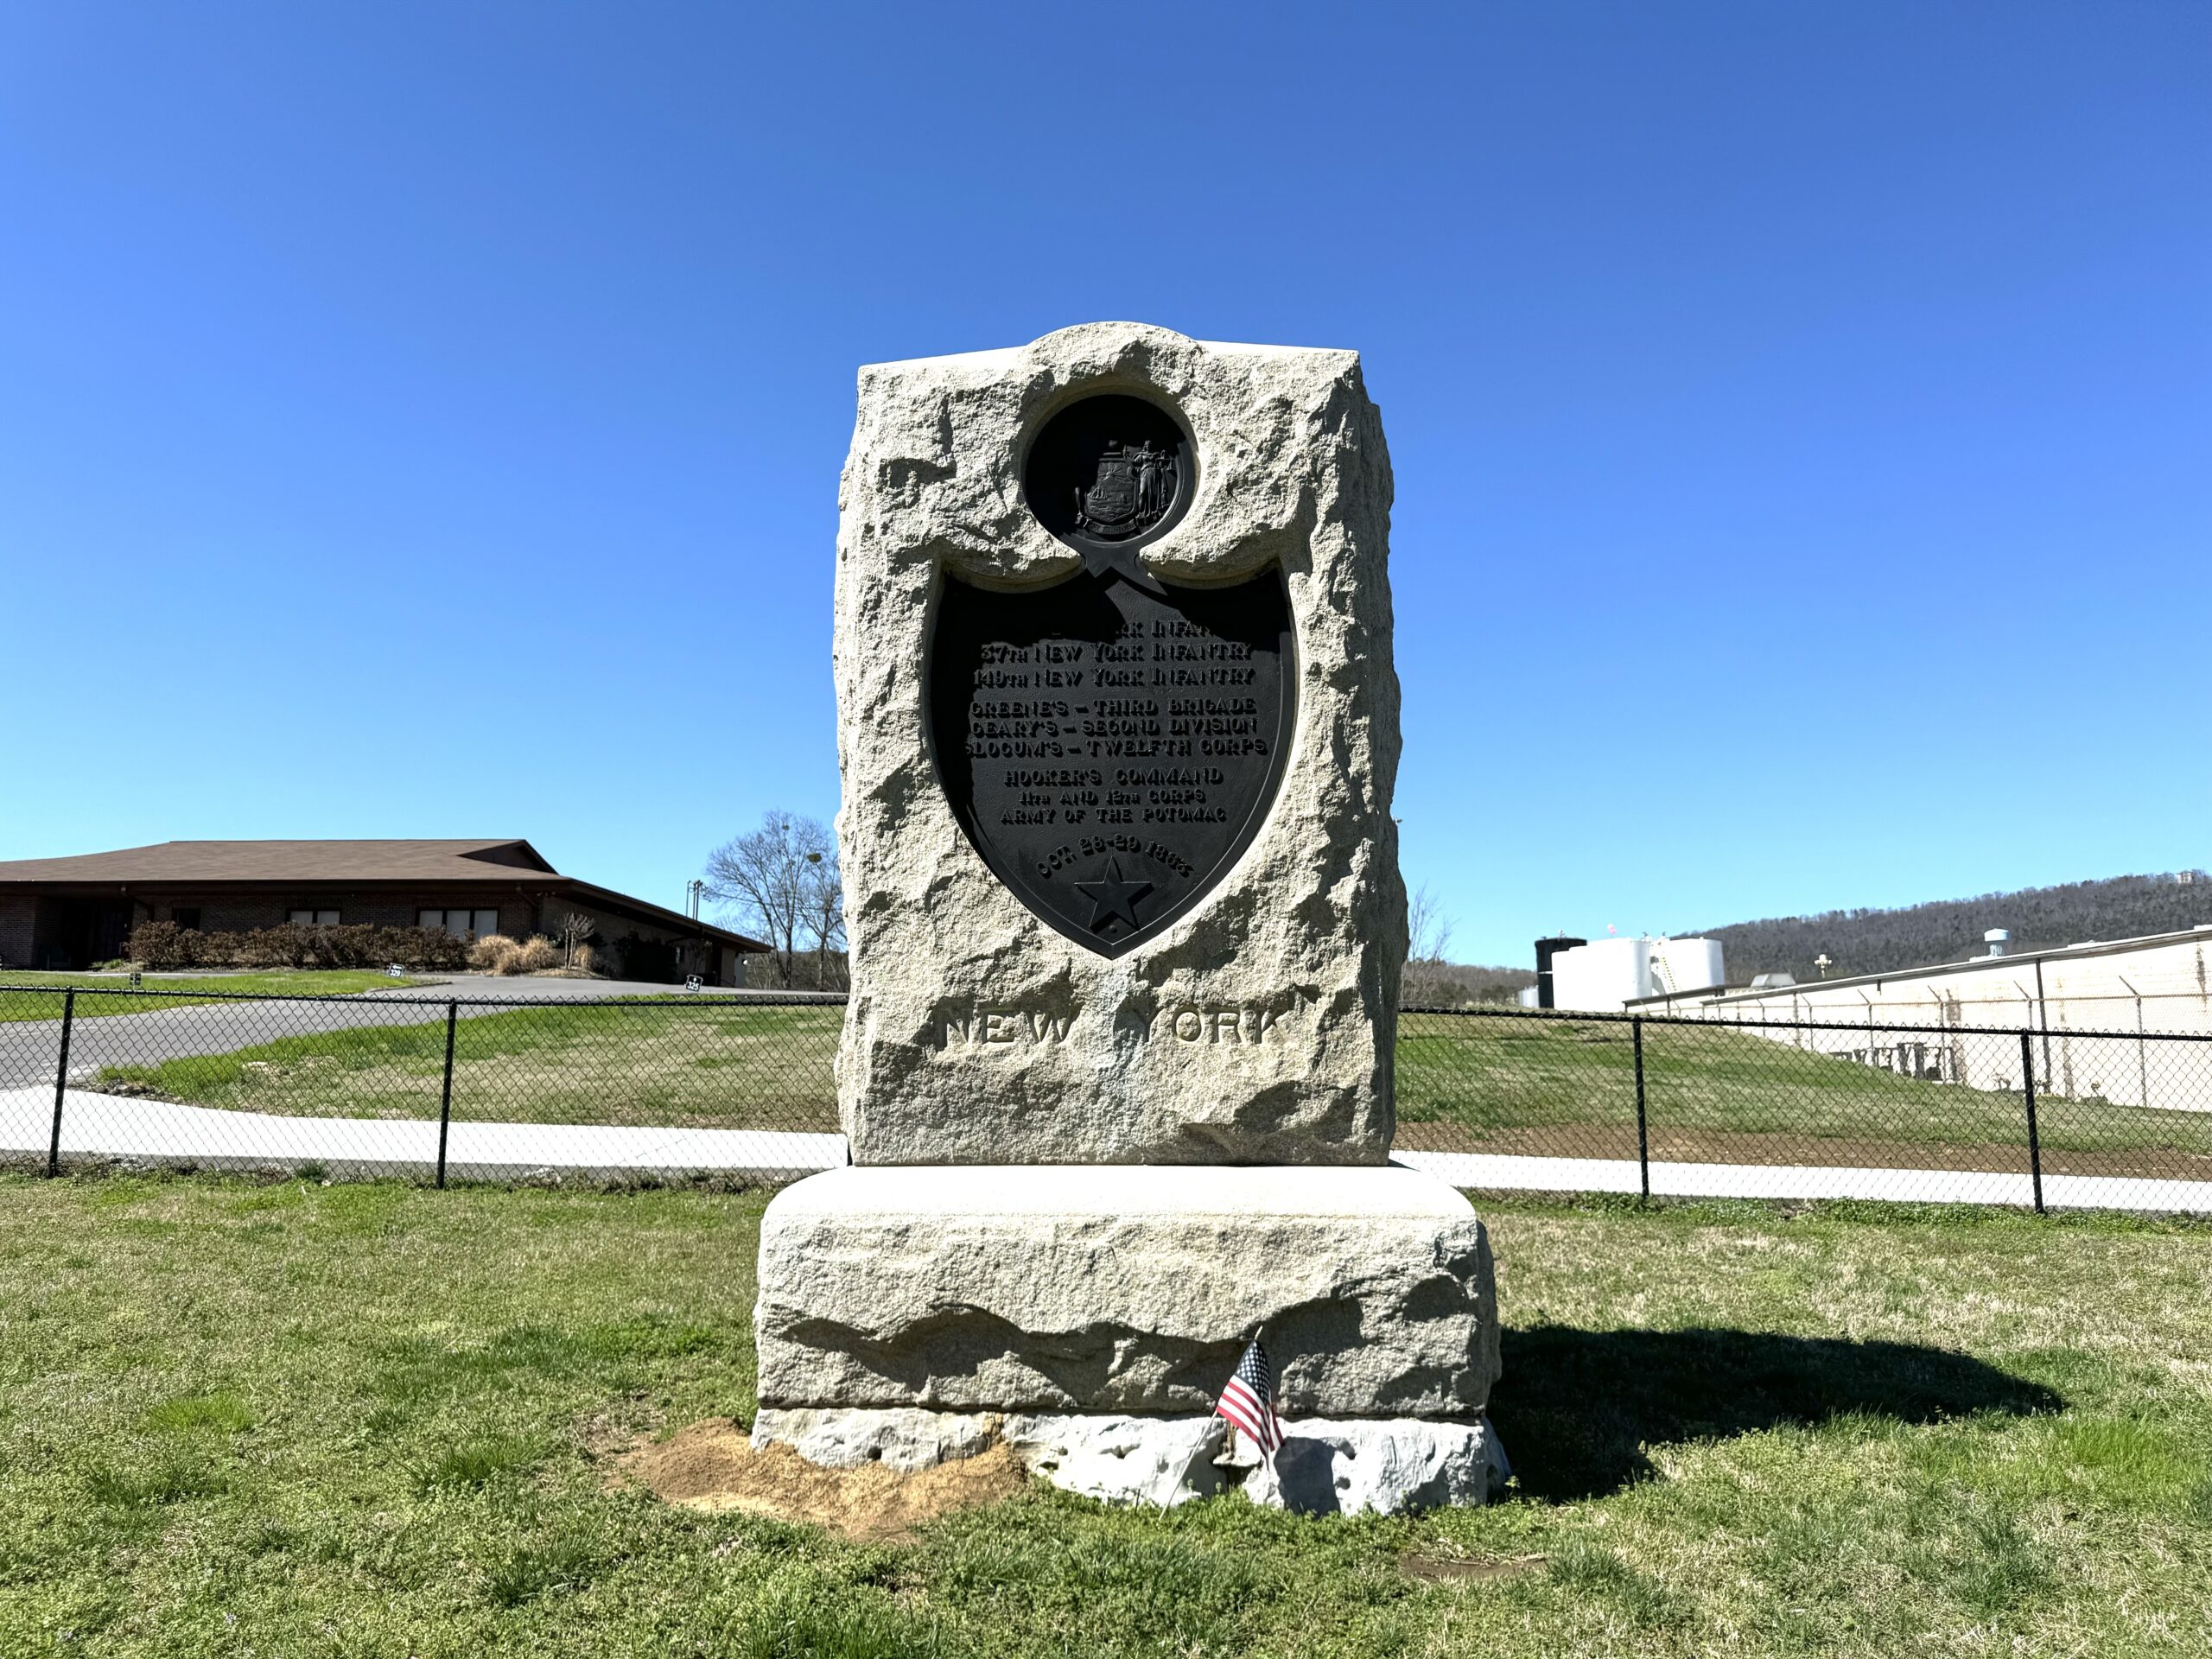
[712, 1467]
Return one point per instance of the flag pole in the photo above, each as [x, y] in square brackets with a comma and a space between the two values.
[1160, 1503]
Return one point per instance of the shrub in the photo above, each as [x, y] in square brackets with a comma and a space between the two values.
[289, 946]
[164, 944]
[161, 945]
[493, 954]
[581, 959]
[415, 947]
[156, 943]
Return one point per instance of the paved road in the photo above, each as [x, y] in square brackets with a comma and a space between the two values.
[29, 1048]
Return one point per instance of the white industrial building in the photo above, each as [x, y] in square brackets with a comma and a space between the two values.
[1606, 976]
[2094, 1007]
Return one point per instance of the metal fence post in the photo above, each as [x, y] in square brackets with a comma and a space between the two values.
[2035, 1141]
[445, 1098]
[1643, 1129]
[2142, 1048]
[60, 1082]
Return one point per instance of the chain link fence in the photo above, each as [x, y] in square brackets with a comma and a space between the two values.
[1783, 1108]
[419, 1085]
[414, 1085]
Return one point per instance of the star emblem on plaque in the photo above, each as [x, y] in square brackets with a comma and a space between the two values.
[1113, 899]
[1110, 742]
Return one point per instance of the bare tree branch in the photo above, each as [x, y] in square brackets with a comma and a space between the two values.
[576, 930]
[783, 882]
[825, 917]
[1428, 929]
[1429, 934]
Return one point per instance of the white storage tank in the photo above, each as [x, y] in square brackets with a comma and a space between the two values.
[1603, 976]
[1688, 965]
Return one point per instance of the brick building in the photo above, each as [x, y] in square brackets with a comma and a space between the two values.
[66, 912]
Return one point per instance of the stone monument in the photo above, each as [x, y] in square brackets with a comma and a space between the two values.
[1118, 727]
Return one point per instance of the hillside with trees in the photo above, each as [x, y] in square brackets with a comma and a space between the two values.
[1886, 941]
[1431, 979]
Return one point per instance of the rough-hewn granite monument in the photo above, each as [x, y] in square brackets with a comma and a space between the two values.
[1119, 727]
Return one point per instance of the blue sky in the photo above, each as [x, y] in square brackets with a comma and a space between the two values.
[426, 419]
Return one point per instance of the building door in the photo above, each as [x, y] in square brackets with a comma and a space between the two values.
[82, 931]
[649, 959]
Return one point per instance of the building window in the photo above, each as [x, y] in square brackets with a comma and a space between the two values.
[312, 917]
[186, 916]
[462, 923]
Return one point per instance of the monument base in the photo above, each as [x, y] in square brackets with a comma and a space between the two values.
[1125, 1288]
[1352, 1466]
[1090, 1315]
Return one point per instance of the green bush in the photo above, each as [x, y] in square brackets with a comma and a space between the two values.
[161, 945]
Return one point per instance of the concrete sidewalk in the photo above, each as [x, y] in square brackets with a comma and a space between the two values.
[159, 1134]
[1484, 1170]
[102, 1129]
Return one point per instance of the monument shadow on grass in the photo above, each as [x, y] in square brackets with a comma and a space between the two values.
[1575, 1408]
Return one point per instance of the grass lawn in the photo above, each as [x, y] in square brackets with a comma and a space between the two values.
[375, 1420]
[1547, 1087]
[654, 1063]
[23, 994]
[1563, 1086]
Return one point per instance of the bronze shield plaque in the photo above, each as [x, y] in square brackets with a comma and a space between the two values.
[1112, 743]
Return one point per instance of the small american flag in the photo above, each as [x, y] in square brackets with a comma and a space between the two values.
[1249, 1401]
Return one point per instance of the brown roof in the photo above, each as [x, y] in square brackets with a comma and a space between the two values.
[292, 861]
[324, 863]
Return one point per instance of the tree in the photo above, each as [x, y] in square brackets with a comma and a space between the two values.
[825, 918]
[1428, 930]
[1428, 981]
[782, 882]
[576, 930]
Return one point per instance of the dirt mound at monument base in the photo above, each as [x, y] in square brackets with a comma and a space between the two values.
[712, 1466]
